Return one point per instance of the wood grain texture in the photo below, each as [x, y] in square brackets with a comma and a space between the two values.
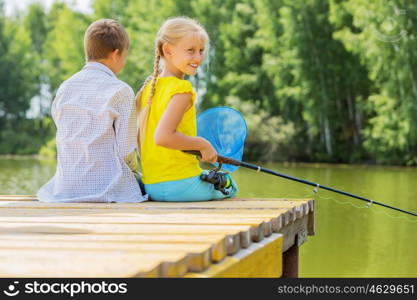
[148, 239]
[259, 260]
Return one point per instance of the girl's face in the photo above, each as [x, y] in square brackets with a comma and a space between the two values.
[186, 55]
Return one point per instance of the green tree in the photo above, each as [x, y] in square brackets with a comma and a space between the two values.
[281, 55]
[243, 52]
[383, 34]
[35, 22]
[63, 47]
[334, 82]
[141, 20]
[18, 77]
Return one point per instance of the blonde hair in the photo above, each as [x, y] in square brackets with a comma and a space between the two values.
[104, 36]
[171, 31]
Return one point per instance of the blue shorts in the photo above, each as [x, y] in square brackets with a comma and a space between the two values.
[188, 189]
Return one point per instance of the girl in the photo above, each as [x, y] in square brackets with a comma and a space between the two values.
[167, 117]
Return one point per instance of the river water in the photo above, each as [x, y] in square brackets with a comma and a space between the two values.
[352, 240]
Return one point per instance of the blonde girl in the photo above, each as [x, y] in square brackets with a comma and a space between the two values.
[167, 118]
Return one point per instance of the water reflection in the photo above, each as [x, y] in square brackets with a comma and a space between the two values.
[351, 240]
[24, 176]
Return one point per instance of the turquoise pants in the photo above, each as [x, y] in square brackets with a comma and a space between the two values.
[188, 189]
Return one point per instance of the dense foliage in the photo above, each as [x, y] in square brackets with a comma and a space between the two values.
[316, 80]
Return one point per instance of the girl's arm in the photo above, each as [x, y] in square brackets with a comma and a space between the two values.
[166, 134]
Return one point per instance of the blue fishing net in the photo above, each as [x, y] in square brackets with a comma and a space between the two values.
[225, 128]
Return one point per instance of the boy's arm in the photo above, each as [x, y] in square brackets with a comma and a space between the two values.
[125, 127]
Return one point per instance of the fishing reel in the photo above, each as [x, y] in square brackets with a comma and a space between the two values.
[218, 179]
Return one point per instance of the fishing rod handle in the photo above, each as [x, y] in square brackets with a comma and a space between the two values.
[220, 159]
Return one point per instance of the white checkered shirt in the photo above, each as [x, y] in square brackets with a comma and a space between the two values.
[95, 116]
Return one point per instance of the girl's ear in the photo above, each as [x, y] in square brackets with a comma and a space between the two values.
[166, 50]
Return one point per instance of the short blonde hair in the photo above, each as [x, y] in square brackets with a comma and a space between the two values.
[104, 36]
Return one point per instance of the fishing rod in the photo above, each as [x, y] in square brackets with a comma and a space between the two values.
[226, 160]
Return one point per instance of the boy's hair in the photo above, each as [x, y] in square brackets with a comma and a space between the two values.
[104, 36]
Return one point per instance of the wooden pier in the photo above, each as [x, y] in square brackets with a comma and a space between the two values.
[227, 238]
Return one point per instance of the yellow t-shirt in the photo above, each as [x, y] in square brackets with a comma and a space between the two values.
[160, 164]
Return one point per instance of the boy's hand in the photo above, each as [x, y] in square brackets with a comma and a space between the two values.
[132, 161]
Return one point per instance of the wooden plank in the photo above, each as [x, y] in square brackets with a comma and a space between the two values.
[291, 230]
[301, 207]
[129, 214]
[229, 204]
[88, 263]
[259, 226]
[288, 214]
[227, 245]
[309, 201]
[243, 205]
[307, 205]
[198, 254]
[237, 236]
[123, 238]
[273, 216]
[33, 198]
[256, 231]
[260, 260]
[297, 208]
[114, 211]
[218, 242]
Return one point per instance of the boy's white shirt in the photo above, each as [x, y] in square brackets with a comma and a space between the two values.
[95, 115]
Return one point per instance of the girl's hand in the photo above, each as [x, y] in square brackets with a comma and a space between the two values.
[208, 153]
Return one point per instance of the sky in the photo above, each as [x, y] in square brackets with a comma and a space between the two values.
[13, 5]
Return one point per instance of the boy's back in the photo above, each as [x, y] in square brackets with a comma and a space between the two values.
[96, 128]
[95, 116]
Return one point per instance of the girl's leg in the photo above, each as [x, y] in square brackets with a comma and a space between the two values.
[189, 189]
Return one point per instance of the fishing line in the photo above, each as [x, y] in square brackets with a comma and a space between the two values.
[366, 206]
[226, 129]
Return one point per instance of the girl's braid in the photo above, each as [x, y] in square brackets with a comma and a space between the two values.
[143, 113]
[155, 74]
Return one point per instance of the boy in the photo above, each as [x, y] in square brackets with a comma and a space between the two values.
[95, 116]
